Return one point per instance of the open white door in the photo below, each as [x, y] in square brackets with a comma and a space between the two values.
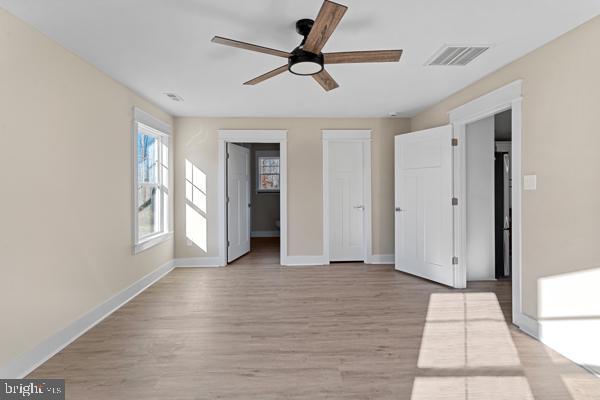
[238, 201]
[424, 214]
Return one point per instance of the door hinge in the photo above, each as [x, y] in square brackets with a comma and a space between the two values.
[454, 201]
[228, 243]
[228, 155]
[454, 260]
[454, 142]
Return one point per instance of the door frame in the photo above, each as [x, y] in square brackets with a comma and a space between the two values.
[502, 99]
[251, 136]
[344, 136]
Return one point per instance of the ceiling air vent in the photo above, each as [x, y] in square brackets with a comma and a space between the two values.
[457, 55]
[174, 96]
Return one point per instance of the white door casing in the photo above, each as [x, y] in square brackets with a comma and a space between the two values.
[238, 201]
[346, 201]
[424, 212]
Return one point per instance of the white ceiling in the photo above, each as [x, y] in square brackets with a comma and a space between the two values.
[156, 46]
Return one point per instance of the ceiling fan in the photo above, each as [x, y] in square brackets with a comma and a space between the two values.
[307, 59]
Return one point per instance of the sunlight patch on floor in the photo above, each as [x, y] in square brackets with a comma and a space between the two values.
[472, 388]
[466, 330]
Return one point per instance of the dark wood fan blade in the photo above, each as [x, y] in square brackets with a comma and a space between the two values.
[329, 17]
[326, 81]
[249, 46]
[268, 75]
[375, 56]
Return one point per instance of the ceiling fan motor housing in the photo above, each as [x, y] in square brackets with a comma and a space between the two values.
[303, 62]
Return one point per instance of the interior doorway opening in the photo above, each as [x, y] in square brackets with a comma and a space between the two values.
[235, 181]
[488, 144]
[253, 185]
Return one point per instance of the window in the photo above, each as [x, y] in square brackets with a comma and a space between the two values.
[151, 205]
[267, 171]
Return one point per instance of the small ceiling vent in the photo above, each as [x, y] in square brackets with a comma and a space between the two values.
[174, 96]
[457, 55]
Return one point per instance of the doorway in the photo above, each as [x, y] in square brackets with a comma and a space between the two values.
[488, 200]
[346, 195]
[252, 192]
[440, 155]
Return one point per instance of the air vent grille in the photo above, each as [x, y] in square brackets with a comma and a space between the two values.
[174, 96]
[457, 55]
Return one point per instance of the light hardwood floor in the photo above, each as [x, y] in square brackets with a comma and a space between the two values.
[255, 330]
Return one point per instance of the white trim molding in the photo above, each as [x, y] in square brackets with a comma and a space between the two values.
[306, 261]
[251, 136]
[29, 361]
[150, 120]
[504, 98]
[197, 262]
[345, 135]
[152, 241]
[381, 259]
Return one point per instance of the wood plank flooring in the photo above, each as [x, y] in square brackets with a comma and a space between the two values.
[255, 330]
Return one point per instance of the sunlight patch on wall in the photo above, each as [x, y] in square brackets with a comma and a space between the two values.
[195, 208]
[569, 315]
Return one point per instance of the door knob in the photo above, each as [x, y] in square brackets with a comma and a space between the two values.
[398, 209]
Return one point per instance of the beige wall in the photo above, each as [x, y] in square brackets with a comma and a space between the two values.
[561, 145]
[196, 141]
[65, 205]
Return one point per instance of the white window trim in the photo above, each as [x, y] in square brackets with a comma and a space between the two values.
[161, 130]
[266, 154]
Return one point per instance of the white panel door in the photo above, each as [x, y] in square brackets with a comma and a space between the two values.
[238, 201]
[346, 201]
[424, 220]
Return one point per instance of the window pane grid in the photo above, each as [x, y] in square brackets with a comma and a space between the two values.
[152, 182]
[268, 174]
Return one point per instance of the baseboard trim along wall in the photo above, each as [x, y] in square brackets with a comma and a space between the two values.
[261, 234]
[27, 362]
[381, 259]
[299, 261]
[198, 262]
[575, 339]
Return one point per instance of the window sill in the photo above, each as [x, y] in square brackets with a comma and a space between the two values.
[151, 242]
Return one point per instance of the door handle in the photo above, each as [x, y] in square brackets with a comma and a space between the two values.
[398, 209]
[359, 207]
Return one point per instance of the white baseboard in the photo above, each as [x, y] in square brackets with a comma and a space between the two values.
[528, 325]
[575, 339]
[27, 362]
[381, 259]
[261, 234]
[293, 261]
[198, 262]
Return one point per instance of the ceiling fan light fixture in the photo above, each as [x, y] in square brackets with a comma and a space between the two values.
[304, 63]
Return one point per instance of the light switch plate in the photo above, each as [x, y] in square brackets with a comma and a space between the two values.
[530, 182]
